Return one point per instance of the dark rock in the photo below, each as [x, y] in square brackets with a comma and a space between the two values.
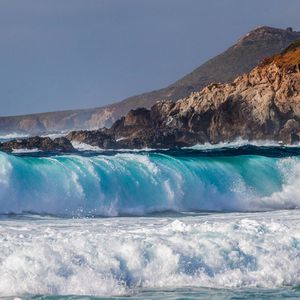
[61, 144]
[100, 138]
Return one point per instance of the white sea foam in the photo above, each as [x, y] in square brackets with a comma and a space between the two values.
[239, 143]
[85, 147]
[13, 135]
[206, 146]
[121, 256]
[16, 135]
[25, 150]
[55, 135]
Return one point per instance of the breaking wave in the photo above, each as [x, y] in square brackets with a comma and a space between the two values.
[124, 255]
[142, 183]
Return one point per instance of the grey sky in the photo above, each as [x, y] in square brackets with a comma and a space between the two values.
[65, 54]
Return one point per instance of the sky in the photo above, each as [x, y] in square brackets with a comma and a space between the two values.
[68, 54]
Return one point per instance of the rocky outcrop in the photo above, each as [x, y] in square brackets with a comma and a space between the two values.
[261, 105]
[238, 59]
[60, 144]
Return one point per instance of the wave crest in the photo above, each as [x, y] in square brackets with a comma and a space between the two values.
[121, 256]
[143, 183]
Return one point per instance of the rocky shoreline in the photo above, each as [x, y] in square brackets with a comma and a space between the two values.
[261, 105]
[238, 59]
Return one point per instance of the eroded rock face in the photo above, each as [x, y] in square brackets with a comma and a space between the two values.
[238, 59]
[261, 105]
[60, 144]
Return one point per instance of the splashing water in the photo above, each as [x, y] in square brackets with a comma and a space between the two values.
[170, 247]
[142, 183]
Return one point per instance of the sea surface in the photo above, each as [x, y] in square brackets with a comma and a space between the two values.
[208, 222]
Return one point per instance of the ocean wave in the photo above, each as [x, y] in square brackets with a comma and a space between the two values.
[124, 255]
[239, 143]
[11, 136]
[16, 135]
[141, 183]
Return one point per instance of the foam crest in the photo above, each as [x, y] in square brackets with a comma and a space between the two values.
[143, 183]
[13, 135]
[239, 143]
[122, 256]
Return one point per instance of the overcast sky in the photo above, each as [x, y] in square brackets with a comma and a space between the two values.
[65, 54]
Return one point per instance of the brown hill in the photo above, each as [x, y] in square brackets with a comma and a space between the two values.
[261, 105]
[238, 59]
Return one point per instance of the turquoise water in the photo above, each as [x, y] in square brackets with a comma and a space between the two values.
[180, 224]
[142, 183]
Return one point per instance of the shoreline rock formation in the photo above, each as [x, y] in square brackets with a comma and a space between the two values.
[240, 58]
[47, 144]
[261, 105]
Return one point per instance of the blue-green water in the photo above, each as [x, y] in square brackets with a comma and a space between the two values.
[139, 183]
[180, 224]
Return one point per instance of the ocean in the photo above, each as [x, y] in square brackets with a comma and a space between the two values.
[209, 222]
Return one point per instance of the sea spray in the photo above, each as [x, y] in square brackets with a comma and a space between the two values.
[142, 183]
[120, 256]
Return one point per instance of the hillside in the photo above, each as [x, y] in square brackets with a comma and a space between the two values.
[238, 59]
[261, 105]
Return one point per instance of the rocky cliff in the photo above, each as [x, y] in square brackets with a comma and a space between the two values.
[238, 59]
[261, 105]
